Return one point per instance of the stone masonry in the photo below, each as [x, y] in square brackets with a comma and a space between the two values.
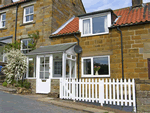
[135, 41]
[143, 96]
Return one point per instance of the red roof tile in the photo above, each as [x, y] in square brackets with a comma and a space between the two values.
[72, 27]
[127, 16]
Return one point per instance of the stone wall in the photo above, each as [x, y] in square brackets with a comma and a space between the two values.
[54, 88]
[33, 85]
[143, 96]
[136, 43]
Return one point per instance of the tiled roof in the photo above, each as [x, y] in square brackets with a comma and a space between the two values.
[71, 27]
[132, 16]
[12, 4]
[127, 16]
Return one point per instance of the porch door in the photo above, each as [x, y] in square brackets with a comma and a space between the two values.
[44, 64]
[149, 68]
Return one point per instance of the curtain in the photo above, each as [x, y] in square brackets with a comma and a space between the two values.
[86, 27]
[105, 24]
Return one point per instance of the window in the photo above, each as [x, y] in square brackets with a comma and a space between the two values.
[28, 14]
[25, 45]
[44, 67]
[57, 68]
[98, 66]
[95, 24]
[31, 71]
[3, 20]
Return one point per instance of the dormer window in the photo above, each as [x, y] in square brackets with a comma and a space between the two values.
[3, 20]
[28, 14]
[95, 24]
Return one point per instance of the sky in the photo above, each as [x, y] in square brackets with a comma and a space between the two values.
[95, 5]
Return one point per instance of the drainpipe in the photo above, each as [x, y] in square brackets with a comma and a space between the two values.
[121, 52]
[78, 55]
[16, 21]
[78, 61]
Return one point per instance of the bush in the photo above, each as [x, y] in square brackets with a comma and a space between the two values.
[26, 84]
[4, 84]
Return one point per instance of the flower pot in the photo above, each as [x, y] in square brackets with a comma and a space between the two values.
[96, 73]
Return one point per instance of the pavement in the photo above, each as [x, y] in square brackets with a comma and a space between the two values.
[80, 106]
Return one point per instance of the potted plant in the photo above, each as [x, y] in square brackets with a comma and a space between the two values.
[96, 69]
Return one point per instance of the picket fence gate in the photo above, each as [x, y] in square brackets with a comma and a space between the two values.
[116, 92]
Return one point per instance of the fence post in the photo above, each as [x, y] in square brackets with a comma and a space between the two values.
[134, 99]
[61, 89]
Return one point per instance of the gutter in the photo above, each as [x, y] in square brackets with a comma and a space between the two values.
[16, 21]
[121, 52]
[53, 36]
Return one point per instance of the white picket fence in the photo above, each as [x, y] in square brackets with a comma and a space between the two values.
[116, 92]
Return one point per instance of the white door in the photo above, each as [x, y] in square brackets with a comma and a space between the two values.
[43, 82]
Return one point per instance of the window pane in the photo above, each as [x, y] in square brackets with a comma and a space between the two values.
[27, 18]
[3, 24]
[47, 75]
[31, 67]
[103, 63]
[57, 67]
[87, 66]
[42, 67]
[42, 60]
[41, 75]
[31, 17]
[67, 68]
[47, 67]
[25, 44]
[25, 51]
[4, 17]
[31, 9]
[46, 59]
[99, 24]
[86, 27]
[73, 69]
[30, 41]
[27, 11]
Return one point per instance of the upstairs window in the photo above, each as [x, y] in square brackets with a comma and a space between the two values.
[25, 46]
[95, 24]
[3, 20]
[28, 14]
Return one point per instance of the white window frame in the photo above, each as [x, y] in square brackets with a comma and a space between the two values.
[24, 15]
[90, 17]
[27, 72]
[28, 39]
[92, 73]
[1, 21]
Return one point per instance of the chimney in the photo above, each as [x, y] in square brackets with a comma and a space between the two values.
[137, 3]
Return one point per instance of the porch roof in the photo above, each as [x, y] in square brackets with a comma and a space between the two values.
[51, 49]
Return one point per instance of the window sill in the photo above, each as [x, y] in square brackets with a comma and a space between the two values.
[95, 76]
[28, 23]
[30, 78]
[94, 34]
[3, 28]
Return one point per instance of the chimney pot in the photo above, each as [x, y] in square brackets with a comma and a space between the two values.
[137, 3]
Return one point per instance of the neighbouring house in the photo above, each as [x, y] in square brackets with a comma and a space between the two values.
[18, 19]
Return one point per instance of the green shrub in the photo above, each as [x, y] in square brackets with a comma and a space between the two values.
[26, 84]
[4, 84]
